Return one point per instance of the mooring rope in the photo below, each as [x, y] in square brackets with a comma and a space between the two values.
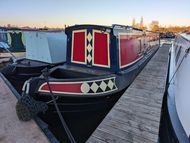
[70, 136]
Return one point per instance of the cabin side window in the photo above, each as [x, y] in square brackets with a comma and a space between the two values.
[130, 47]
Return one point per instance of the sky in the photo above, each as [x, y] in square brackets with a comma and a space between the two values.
[57, 13]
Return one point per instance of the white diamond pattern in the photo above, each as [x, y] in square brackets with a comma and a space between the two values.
[89, 48]
[89, 37]
[99, 86]
[94, 87]
[103, 85]
[110, 84]
[89, 58]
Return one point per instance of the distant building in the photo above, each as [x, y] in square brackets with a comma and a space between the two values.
[141, 23]
[133, 22]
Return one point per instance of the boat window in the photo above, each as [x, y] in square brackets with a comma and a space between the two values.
[128, 49]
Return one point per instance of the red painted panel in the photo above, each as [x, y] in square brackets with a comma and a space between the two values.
[79, 46]
[129, 49]
[101, 46]
[63, 87]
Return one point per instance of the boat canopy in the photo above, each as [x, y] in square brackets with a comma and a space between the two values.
[49, 47]
[111, 48]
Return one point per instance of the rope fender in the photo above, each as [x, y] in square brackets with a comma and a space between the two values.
[27, 108]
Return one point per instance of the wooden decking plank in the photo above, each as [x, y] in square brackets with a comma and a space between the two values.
[94, 139]
[137, 132]
[136, 116]
[128, 136]
[128, 116]
[155, 104]
[135, 124]
[11, 129]
[142, 104]
[107, 137]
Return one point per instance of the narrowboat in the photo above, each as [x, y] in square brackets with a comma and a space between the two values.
[101, 62]
[42, 50]
[175, 127]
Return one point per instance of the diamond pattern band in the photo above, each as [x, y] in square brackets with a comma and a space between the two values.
[89, 48]
[99, 86]
[91, 87]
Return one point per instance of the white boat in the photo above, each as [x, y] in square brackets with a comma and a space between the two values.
[177, 106]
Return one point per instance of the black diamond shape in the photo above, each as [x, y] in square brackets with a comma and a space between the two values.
[113, 80]
[98, 82]
[106, 81]
[99, 90]
[90, 83]
[91, 91]
[107, 88]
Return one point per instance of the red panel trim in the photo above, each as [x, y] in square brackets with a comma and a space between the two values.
[128, 50]
[101, 53]
[62, 87]
[78, 53]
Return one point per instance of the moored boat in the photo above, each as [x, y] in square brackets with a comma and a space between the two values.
[101, 63]
[175, 119]
[42, 50]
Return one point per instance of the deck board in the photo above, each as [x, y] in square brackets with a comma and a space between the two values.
[11, 129]
[136, 116]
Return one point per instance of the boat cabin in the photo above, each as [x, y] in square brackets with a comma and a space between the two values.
[107, 48]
